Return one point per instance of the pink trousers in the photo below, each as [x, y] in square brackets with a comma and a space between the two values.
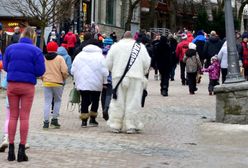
[20, 97]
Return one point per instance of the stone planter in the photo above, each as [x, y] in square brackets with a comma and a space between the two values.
[232, 103]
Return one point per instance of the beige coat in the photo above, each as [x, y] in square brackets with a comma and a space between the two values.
[56, 70]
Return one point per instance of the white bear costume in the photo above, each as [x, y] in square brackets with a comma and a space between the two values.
[124, 111]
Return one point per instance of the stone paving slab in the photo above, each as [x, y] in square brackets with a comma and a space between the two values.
[179, 133]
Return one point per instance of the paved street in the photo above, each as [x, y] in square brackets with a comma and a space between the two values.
[179, 133]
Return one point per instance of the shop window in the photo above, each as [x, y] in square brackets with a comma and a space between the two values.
[110, 11]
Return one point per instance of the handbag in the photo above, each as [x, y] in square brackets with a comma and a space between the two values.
[74, 98]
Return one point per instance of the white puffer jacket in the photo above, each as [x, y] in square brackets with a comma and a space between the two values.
[89, 69]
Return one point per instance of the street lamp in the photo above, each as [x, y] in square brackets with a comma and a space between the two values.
[233, 75]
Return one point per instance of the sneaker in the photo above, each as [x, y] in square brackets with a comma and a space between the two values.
[84, 124]
[4, 144]
[131, 131]
[93, 122]
[114, 130]
[46, 125]
[54, 123]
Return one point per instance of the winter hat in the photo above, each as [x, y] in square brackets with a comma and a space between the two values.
[245, 35]
[52, 46]
[184, 36]
[214, 58]
[192, 46]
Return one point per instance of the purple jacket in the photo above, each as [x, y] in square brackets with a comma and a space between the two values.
[213, 70]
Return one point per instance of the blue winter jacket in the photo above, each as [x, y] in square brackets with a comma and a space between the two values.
[62, 51]
[24, 62]
[199, 38]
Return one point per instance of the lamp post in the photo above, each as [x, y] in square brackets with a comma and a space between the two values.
[233, 75]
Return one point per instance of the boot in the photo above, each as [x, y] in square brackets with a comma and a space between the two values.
[93, 122]
[84, 123]
[4, 144]
[11, 154]
[46, 125]
[54, 123]
[21, 154]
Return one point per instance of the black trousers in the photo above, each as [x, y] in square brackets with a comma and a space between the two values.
[182, 69]
[165, 76]
[89, 98]
[223, 74]
[212, 83]
[192, 81]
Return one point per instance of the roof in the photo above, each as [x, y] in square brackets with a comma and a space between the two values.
[5, 13]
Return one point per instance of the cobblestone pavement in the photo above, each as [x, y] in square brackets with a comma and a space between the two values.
[179, 133]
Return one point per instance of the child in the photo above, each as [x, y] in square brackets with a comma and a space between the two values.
[5, 141]
[214, 74]
[193, 64]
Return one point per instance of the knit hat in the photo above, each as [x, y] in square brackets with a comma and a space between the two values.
[214, 58]
[245, 35]
[184, 36]
[192, 46]
[52, 46]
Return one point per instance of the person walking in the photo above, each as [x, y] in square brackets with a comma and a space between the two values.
[90, 73]
[53, 81]
[164, 61]
[222, 57]
[181, 49]
[214, 74]
[16, 36]
[23, 62]
[244, 54]
[70, 39]
[193, 65]
[124, 108]
[212, 47]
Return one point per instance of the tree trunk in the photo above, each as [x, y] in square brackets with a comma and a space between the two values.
[129, 18]
[173, 15]
[152, 13]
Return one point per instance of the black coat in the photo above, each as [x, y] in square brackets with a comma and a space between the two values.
[163, 55]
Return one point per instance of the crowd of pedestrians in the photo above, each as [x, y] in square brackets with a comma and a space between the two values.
[103, 68]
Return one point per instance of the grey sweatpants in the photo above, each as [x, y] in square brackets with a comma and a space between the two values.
[49, 94]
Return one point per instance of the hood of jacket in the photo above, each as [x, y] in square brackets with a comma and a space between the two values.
[51, 56]
[92, 48]
[69, 33]
[190, 52]
[62, 51]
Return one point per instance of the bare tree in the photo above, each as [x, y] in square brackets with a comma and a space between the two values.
[132, 5]
[45, 12]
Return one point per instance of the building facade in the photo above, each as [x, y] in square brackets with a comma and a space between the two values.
[111, 15]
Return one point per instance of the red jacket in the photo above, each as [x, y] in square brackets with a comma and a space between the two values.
[70, 39]
[182, 47]
[190, 37]
[245, 54]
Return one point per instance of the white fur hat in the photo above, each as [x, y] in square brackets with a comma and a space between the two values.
[192, 46]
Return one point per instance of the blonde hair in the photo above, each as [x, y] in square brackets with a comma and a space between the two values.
[29, 33]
